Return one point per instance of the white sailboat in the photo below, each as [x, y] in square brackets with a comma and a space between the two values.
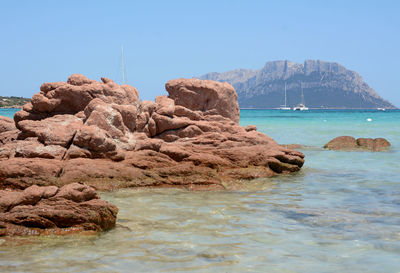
[284, 107]
[301, 106]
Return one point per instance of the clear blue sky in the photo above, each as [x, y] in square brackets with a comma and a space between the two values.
[49, 40]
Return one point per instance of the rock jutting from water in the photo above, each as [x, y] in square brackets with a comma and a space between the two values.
[349, 143]
[51, 210]
[100, 133]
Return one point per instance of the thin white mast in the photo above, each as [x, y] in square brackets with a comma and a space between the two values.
[285, 94]
[123, 66]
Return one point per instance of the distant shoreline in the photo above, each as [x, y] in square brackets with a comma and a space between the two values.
[11, 107]
[20, 107]
[319, 109]
[13, 102]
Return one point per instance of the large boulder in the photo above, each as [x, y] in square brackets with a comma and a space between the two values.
[32, 149]
[52, 210]
[99, 132]
[348, 143]
[342, 143]
[373, 144]
[206, 96]
[8, 132]
[6, 124]
[95, 116]
[74, 95]
[55, 130]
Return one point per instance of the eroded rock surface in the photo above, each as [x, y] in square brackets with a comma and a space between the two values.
[6, 124]
[100, 133]
[206, 96]
[52, 210]
[348, 143]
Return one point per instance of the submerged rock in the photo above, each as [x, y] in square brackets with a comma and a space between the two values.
[350, 143]
[100, 133]
[51, 210]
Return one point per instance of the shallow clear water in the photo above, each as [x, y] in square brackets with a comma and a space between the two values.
[8, 112]
[341, 213]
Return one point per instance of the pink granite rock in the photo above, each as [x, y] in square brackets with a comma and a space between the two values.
[98, 132]
[74, 95]
[6, 124]
[205, 95]
[32, 149]
[52, 210]
[348, 143]
[165, 106]
[55, 130]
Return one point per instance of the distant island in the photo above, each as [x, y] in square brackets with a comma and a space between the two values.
[325, 85]
[12, 102]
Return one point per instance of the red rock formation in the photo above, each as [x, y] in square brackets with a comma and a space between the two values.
[207, 96]
[8, 131]
[52, 210]
[6, 124]
[350, 143]
[99, 132]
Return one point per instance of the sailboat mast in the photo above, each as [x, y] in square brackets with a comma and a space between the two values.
[123, 66]
[302, 94]
[285, 94]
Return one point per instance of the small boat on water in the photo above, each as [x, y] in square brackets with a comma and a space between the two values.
[284, 107]
[381, 109]
[301, 106]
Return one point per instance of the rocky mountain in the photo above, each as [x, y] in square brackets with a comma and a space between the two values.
[324, 84]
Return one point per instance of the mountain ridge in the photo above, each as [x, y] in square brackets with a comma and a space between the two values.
[325, 85]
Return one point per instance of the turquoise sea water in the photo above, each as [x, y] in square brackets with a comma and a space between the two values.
[8, 112]
[340, 213]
